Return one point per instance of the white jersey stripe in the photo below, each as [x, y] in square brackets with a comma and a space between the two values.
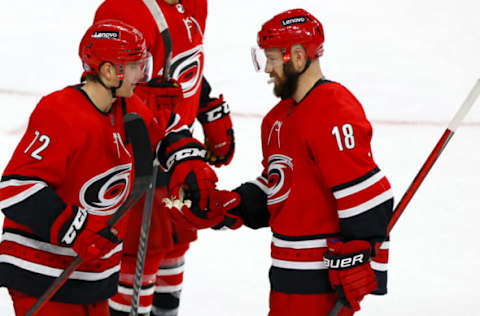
[171, 271]
[126, 308]
[301, 244]
[359, 186]
[378, 266]
[168, 288]
[129, 291]
[55, 272]
[40, 245]
[385, 245]
[364, 207]
[50, 248]
[299, 265]
[22, 195]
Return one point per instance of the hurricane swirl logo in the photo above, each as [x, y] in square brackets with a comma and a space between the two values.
[103, 194]
[280, 172]
[187, 69]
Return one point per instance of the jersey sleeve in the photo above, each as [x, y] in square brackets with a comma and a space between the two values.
[341, 151]
[38, 165]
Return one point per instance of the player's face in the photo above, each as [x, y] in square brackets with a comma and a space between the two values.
[282, 74]
[134, 73]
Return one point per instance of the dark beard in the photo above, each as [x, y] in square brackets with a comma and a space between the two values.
[287, 86]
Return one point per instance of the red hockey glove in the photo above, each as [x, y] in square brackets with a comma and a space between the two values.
[218, 131]
[73, 229]
[227, 202]
[349, 270]
[157, 95]
[184, 158]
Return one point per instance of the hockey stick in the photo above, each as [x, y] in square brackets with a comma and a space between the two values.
[162, 25]
[137, 135]
[428, 164]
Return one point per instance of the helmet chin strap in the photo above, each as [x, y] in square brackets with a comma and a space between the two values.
[113, 90]
[298, 74]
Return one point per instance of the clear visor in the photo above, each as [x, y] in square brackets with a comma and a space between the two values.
[262, 61]
[139, 71]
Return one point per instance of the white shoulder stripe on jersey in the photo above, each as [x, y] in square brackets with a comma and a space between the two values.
[301, 244]
[50, 248]
[359, 186]
[364, 207]
[378, 266]
[126, 308]
[299, 265]
[129, 291]
[38, 185]
[54, 272]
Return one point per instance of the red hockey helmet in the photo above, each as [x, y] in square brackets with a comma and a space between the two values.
[289, 28]
[115, 42]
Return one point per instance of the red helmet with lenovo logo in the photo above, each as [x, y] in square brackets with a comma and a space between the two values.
[117, 43]
[293, 27]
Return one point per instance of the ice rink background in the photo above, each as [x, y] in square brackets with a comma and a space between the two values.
[411, 64]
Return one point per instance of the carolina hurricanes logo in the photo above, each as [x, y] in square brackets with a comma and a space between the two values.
[280, 170]
[103, 194]
[187, 69]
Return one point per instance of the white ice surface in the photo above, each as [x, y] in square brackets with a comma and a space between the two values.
[411, 63]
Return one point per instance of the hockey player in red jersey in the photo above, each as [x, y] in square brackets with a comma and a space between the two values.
[323, 196]
[71, 171]
[168, 242]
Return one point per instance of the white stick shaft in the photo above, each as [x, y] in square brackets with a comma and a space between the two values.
[467, 104]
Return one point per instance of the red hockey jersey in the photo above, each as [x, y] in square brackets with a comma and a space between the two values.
[186, 24]
[321, 181]
[72, 154]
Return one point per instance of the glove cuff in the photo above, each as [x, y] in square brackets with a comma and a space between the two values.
[69, 225]
[213, 111]
[347, 261]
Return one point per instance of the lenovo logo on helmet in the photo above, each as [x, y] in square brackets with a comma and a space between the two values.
[294, 20]
[106, 35]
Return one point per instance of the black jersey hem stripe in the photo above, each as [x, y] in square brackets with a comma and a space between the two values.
[291, 281]
[356, 181]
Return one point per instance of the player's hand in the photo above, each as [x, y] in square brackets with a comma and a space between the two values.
[159, 96]
[186, 214]
[349, 270]
[74, 229]
[184, 158]
[217, 127]
[227, 202]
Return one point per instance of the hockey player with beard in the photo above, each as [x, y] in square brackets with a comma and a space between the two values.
[188, 94]
[321, 193]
